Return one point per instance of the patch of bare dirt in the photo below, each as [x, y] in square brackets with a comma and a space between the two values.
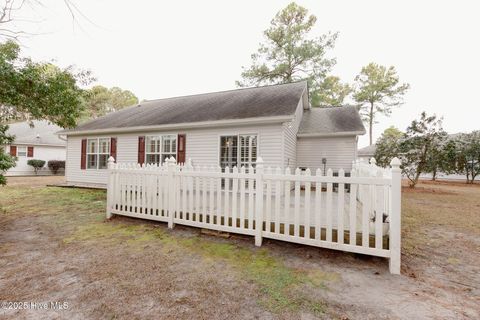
[459, 183]
[37, 181]
[426, 190]
[115, 281]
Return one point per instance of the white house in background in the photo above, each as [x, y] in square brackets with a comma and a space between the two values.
[366, 153]
[228, 128]
[39, 141]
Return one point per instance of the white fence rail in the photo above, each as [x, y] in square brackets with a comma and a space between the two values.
[361, 216]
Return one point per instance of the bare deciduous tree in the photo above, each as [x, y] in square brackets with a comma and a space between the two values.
[10, 17]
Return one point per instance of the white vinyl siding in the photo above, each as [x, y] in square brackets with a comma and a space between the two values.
[72, 165]
[202, 146]
[339, 152]
[41, 152]
[290, 138]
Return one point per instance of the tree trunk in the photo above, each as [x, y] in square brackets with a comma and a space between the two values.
[370, 127]
[473, 178]
[434, 175]
[415, 180]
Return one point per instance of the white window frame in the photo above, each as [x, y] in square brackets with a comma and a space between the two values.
[25, 148]
[239, 135]
[97, 153]
[159, 149]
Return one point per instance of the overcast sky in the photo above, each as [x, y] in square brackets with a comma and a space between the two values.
[160, 49]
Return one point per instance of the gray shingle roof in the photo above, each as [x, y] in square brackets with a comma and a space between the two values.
[331, 120]
[367, 151]
[24, 134]
[267, 101]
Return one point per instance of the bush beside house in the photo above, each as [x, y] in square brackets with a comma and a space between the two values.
[55, 165]
[36, 164]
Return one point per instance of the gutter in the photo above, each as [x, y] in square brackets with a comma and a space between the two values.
[185, 125]
[37, 144]
[330, 134]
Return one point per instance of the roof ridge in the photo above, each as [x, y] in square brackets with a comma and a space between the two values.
[221, 91]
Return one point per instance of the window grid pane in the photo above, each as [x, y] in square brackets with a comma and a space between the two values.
[248, 150]
[103, 161]
[104, 146]
[92, 146]
[228, 151]
[153, 144]
[92, 161]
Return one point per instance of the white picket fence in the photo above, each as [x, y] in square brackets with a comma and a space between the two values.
[359, 213]
[370, 169]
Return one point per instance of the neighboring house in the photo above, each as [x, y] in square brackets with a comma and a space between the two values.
[229, 128]
[366, 153]
[39, 141]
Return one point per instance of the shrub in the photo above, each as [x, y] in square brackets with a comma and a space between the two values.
[55, 165]
[36, 164]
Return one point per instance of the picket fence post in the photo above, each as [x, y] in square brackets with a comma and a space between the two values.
[395, 217]
[110, 186]
[259, 202]
[171, 190]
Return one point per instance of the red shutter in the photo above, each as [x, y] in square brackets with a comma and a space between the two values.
[113, 148]
[30, 152]
[141, 150]
[181, 144]
[13, 151]
[83, 159]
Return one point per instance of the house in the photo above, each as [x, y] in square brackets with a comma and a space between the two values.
[228, 128]
[34, 140]
[366, 153]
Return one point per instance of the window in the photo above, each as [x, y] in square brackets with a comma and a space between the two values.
[21, 151]
[238, 151]
[228, 151]
[248, 150]
[152, 146]
[103, 153]
[169, 148]
[159, 148]
[98, 152]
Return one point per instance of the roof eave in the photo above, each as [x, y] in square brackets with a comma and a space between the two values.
[185, 125]
[37, 144]
[330, 134]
